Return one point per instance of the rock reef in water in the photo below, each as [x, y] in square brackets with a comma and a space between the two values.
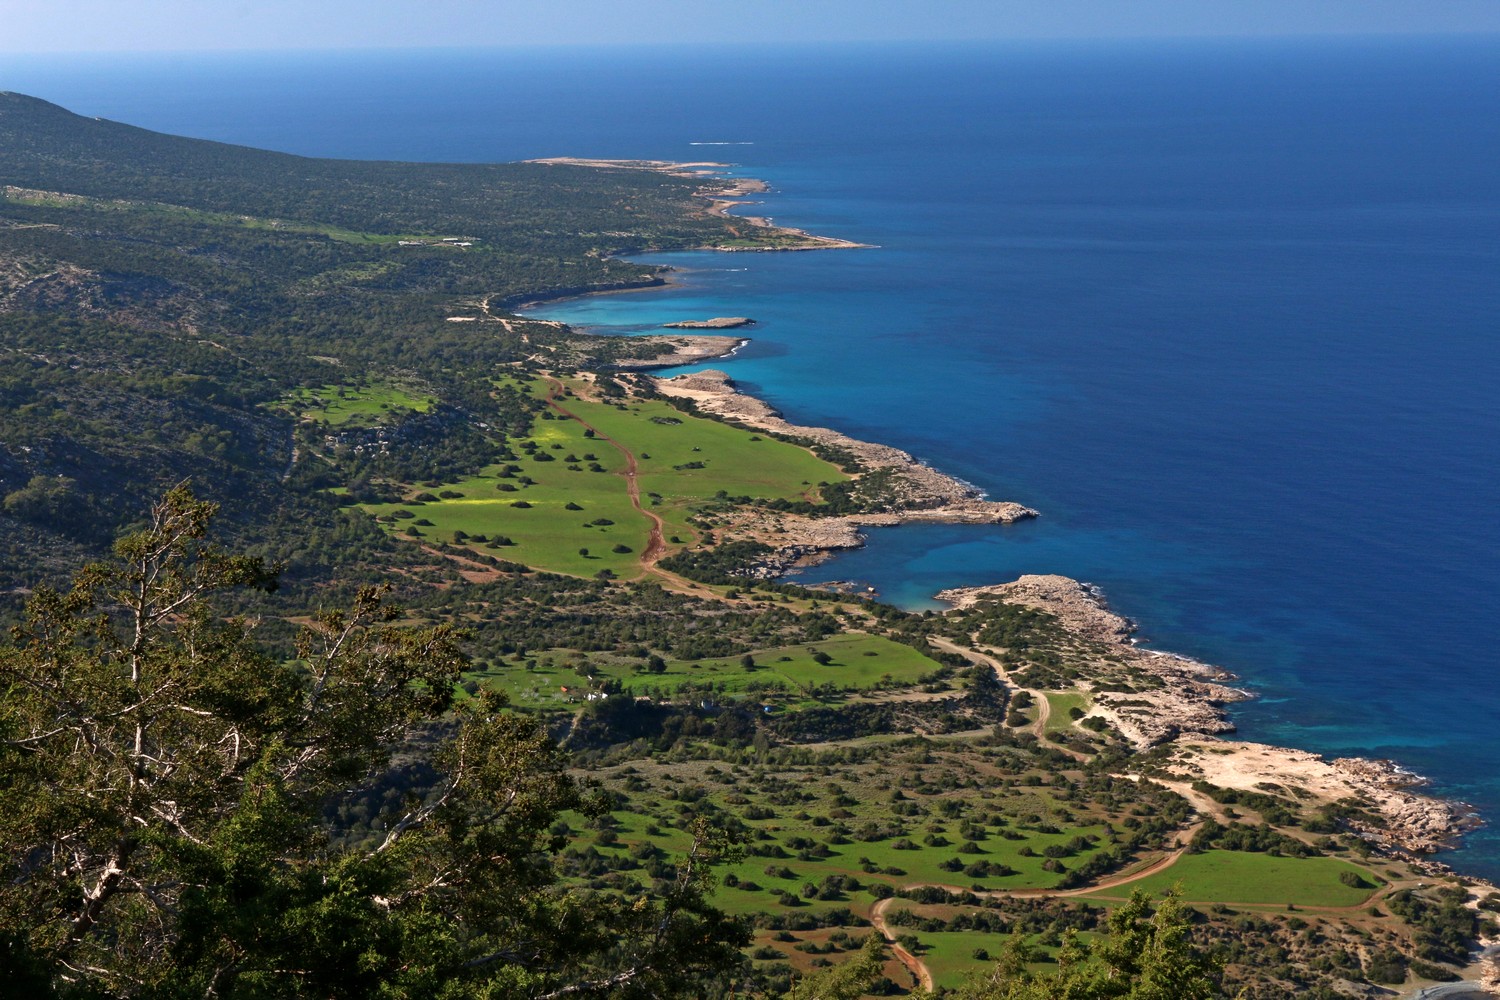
[717, 323]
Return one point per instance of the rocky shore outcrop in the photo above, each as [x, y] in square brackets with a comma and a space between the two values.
[681, 349]
[914, 492]
[717, 323]
[1188, 711]
[1490, 980]
[921, 492]
[1409, 822]
[1188, 697]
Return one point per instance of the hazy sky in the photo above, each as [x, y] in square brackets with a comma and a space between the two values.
[150, 25]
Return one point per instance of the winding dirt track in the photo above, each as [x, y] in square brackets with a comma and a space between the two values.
[914, 965]
[655, 546]
[1039, 698]
[877, 913]
[919, 968]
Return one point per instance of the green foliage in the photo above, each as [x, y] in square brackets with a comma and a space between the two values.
[53, 501]
[165, 298]
[724, 564]
[849, 980]
[162, 814]
[1145, 955]
[1442, 925]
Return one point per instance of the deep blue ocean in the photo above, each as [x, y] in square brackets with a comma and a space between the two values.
[1227, 313]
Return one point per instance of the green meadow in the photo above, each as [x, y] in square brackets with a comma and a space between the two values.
[1232, 877]
[356, 405]
[1059, 705]
[562, 504]
[685, 458]
[782, 676]
[951, 956]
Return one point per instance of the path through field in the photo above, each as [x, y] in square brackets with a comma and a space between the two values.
[1039, 698]
[656, 546]
[915, 965]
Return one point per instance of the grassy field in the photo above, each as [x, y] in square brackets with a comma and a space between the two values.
[356, 406]
[950, 955]
[563, 501]
[1059, 703]
[685, 458]
[783, 676]
[858, 662]
[829, 834]
[1243, 877]
[825, 843]
[948, 821]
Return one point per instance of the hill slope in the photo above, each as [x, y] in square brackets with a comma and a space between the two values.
[159, 295]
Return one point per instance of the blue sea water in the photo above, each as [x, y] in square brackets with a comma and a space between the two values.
[1225, 312]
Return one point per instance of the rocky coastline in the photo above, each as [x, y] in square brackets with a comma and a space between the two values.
[918, 492]
[683, 349]
[1187, 715]
[1191, 697]
[717, 323]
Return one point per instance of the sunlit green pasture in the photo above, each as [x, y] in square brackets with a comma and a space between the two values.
[784, 676]
[546, 532]
[950, 955]
[1253, 878]
[684, 462]
[1059, 703]
[842, 831]
[356, 405]
[857, 662]
[683, 457]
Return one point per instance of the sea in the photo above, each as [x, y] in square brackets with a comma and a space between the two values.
[1227, 312]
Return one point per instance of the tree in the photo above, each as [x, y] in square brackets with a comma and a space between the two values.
[847, 981]
[1145, 955]
[55, 502]
[163, 782]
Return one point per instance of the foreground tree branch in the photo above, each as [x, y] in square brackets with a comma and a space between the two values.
[165, 788]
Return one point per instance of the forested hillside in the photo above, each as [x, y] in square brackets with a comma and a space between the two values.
[159, 295]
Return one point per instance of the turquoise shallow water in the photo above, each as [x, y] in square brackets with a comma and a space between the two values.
[1225, 313]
